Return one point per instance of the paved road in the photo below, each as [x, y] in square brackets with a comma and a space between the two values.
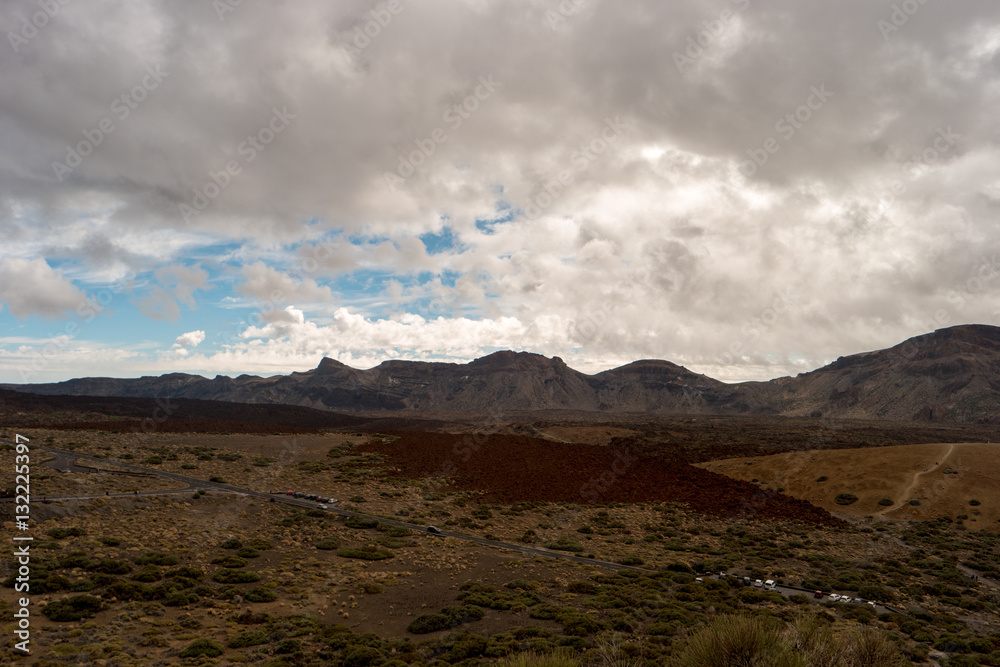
[788, 591]
[195, 484]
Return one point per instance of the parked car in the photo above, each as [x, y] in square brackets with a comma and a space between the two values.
[769, 584]
[434, 530]
[322, 506]
[846, 599]
[289, 493]
[818, 595]
[758, 583]
[834, 597]
[699, 580]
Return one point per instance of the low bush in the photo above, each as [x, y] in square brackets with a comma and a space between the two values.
[565, 544]
[368, 552]
[72, 609]
[202, 648]
[157, 558]
[845, 499]
[260, 594]
[62, 533]
[327, 544]
[226, 576]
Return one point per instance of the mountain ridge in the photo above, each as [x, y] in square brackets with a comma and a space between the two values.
[950, 374]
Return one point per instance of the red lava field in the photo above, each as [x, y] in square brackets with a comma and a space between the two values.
[511, 469]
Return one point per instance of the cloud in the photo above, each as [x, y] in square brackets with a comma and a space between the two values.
[267, 284]
[602, 203]
[177, 287]
[187, 341]
[32, 287]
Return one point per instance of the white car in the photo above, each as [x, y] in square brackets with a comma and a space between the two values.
[834, 597]
[769, 584]
[758, 583]
[322, 507]
[699, 580]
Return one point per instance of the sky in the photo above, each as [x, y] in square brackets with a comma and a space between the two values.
[749, 188]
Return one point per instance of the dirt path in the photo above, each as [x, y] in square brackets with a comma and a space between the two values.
[905, 496]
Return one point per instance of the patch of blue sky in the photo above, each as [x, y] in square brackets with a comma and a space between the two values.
[505, 213]
[442, 242]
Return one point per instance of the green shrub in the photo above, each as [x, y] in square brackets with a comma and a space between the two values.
[362, 656]
[148, 574]
[822, 478]
[229, 561]
[111, 566]
[582, 587]
[428, 623]
[250, 638]
[248, 552]
[186, 572]
[157, 558]
[226, 576]
[260, 544]
[72, 609]
[202, 647]
[128, 591]
[581, 625]
[565, 543]
[327, 544]
[845, 499]
[368, 552]
[260, 594]
[62, 533]
[180, 598]
[975, 503]
[360, 522]
[231, 543]
[886, 502]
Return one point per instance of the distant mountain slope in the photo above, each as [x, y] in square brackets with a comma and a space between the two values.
[950, 375]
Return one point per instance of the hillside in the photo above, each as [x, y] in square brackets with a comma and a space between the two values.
[949, 375]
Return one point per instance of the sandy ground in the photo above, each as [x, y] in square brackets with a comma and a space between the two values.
[924, 473]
